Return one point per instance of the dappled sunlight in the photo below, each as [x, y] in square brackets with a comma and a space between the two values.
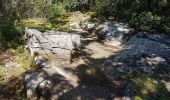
[84, 50]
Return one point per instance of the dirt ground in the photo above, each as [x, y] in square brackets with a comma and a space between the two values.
[93, 83]
[87, 67]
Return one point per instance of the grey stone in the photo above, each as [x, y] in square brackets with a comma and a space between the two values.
[41, 62]
[76, 41]
[60, 44]
[155, 37]
[44, 90]
[62, 54]
[143, 55]
[113, 33]
[52, 39]
[138, 46]
[38, 35]
[32, 80]
[87, 26]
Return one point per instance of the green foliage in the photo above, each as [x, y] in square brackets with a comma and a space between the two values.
[70, 4]
[57, 9]
[22, 56]
[147, 87]
[45, 24]
[11, 34]
[104, 7]
[149, 21]
[143, 14]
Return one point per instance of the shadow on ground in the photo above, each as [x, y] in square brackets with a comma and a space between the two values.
[98, 79]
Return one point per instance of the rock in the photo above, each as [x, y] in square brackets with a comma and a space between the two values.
[155, 37]
[115, 42]
[48, 83]
[138, 46]
[87, 26]
[62, 55]
[40, 85]
[75, 25]
[36, 34]
[113, 33]
[44, 90]
[129, 91]
[57, 44]
[76, 41]
[41, 62]
[53, 39]
[143, 55]
[167, 85]
[32, 81]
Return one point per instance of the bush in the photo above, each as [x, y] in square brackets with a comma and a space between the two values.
[57, 9]
[11, 34]
[149, 21]
[104, 7]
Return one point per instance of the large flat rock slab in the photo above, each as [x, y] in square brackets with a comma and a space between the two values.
[138, 46]
[147, 55]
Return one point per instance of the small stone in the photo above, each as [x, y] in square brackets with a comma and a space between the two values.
[75, 25]
[64, 91]
[87, 26]
[44, 89]
[41, 62]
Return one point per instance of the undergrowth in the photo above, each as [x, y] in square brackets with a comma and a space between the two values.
[46, 24]
[147, 87]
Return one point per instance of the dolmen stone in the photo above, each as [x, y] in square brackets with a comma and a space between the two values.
[57, 44]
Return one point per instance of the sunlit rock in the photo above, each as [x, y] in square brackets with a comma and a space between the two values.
[58, 44]
[113, 33]
[32, 80]
[144, 55]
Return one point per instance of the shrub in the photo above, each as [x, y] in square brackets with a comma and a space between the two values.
[57, 9]
[11, 34]
[105, 8]
[149, 21]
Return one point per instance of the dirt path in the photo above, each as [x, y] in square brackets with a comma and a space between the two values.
[94, 52]
[86, 66]
[93, 84]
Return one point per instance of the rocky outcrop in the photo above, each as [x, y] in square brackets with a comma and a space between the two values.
[142, 51]
[145, 53]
